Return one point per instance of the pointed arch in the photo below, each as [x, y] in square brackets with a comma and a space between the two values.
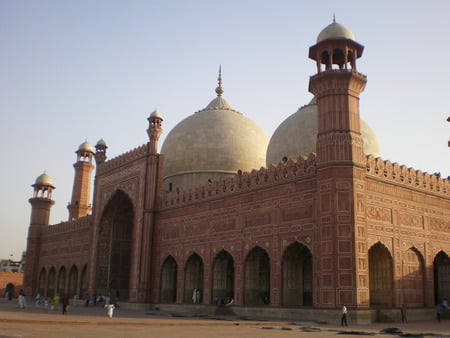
[413, 280]
[297, 276]
[193, 280]
[51, 284]
[222, 278]
[169, 280]
[381, 276]
[441, 272]
[73, 281]
[62, 275]
[83, 282]
[257, 277]
[41, 284]
[115, 244]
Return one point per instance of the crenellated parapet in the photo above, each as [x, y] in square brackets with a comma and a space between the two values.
[122, 159]
[243, 181]
[407, 176]
[69, 226]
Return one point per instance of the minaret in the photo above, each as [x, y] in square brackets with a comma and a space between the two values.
[341, 229]
[154, 131]
[41, 203]
[153, 190]
[337, 86]
[79, 205]
[100, 151]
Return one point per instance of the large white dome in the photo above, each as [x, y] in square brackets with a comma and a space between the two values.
[210, 145]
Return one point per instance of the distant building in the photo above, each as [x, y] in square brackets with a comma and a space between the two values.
[9, 265]
[303, 223]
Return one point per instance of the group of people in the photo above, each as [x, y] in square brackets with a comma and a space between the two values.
[53, 303]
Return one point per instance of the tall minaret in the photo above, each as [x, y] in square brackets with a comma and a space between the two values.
[341, 264]
[153, 190]
[337, 86]
[79, 206]
[41, 203]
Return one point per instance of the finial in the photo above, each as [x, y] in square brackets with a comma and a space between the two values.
[334, 18]
[219, 89]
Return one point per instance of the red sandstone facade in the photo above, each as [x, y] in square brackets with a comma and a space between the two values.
[336, 227]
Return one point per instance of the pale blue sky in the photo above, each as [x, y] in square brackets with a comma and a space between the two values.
[87, 69]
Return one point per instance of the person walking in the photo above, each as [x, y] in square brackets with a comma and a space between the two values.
[344, 315]
[403, 311]
[438, 312]
[65, 304]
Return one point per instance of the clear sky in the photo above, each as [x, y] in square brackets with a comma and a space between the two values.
[91, 69]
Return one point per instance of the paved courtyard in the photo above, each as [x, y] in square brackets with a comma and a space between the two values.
[93, 322]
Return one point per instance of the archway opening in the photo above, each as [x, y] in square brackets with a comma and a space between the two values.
[257, 277]
[51, 290]
[441, 271]
[297, 276]
[413, 279]
[169, 281]
[41, 285]
[73, 280]
[62, 281]
[193, 285]
[380, 276]
[223, 278]
[115, 244]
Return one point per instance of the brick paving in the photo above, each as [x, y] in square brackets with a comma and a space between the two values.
[93, 322]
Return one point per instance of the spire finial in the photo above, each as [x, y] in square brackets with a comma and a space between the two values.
[219, 89]
[334, 18]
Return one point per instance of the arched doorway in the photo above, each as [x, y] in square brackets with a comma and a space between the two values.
[62, 281]
[41, 285]
[297, 276]
[73, 280]
[413, 278]
[257, 277]
[51, 286]
[380, 276]
[115, 244]
[9, 291]
[441, 269]
[193, 280]
[83, 282]
[223, 278]
[169, 281]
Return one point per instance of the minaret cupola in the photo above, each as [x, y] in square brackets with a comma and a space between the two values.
[100, 151]
[154, 130]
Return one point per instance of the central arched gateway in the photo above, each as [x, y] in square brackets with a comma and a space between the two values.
[115, 243]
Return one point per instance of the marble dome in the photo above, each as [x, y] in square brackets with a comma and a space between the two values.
[211, 145]
[296, 136]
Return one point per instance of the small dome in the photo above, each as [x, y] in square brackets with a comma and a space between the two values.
[335, 31]
[156, 114]
[85, 147]
[100, 143]
[211, 145]
[296, 136]
[43, 180]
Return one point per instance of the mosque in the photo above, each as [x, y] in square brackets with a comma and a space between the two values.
[292, 226]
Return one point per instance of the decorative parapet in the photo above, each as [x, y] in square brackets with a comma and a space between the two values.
[122, 159]
[243, 181]
[69, 226]
[406, 176]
